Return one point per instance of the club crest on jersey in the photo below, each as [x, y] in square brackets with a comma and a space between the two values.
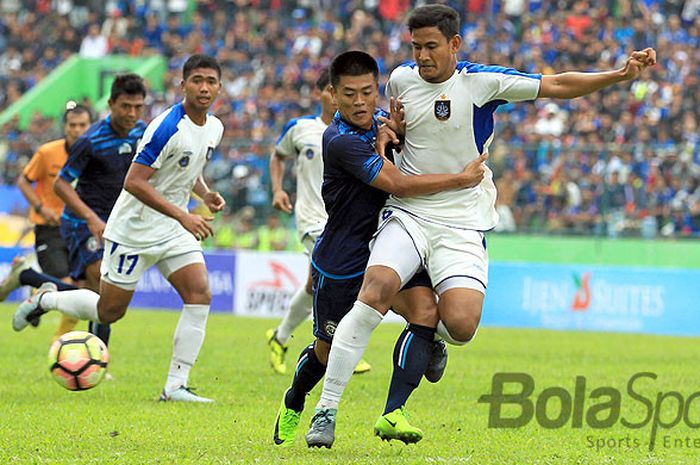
[442, 109]
[184, 161]
[125, 148]
[309, 153]
[210, 152]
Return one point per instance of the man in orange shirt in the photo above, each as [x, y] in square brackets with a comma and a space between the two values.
[45, 210]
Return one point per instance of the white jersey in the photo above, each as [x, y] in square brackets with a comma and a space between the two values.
[177, 149]
[301, 138]
[448, 125]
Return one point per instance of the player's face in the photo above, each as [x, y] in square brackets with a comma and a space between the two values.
[76, 124]
[435, 54]
[125, 111]
[356, 97]
[201, 88]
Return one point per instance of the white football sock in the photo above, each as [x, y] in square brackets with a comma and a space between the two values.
[78, 303]
[349, 342]
[188, 339]
[298, 311]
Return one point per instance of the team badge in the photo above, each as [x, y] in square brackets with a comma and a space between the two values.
[185, 160]
[330, 327]
[442, 108]
[91, 244]
[309, 153]
[125, 148]
[210, 152]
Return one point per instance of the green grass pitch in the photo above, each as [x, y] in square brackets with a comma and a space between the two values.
[120, 422]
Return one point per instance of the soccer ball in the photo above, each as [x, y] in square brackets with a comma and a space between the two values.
[78, 360]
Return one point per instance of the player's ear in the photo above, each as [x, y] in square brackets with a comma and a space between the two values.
[455, 43]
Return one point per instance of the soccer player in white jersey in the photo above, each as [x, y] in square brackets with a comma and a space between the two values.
[301, 139]
[448, 107]
[150, 225]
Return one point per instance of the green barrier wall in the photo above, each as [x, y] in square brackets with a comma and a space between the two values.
[77, 78]
[593, 251]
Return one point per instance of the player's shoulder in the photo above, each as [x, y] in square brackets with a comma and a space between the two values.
[405, 71]
[169, 119]
[57, 146]
[300, 121]
[214, 124]
[467, 68]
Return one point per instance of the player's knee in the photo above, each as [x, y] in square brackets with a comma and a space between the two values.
[378, 290]
[462, 331]
[109, 314]
[200, 296]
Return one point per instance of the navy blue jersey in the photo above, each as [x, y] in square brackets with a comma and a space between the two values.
[99, 160]
[350, 165]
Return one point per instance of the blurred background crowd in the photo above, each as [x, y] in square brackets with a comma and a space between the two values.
[624, 161]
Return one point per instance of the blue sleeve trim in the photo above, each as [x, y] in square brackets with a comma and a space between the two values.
[373, 166]
[483, 122]
[409, 64]
[286, 128]
[166, 129]
[478, 68]
[336, 276]
[69, 174]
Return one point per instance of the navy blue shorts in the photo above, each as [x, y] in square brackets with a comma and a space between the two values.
[83, 248]
[333, 299]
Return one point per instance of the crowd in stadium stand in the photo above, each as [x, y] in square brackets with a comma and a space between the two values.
[624, 161]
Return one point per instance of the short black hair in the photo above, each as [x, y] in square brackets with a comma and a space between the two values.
[200, 61]
[443, 17]
[353, 63]
[324, 78]
[129, 84]
[76, 109]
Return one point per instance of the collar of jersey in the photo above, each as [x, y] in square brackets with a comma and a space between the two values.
[345, 127]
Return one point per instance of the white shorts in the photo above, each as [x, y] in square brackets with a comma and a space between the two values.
[123, 266]
[308, 240]
[453, 257]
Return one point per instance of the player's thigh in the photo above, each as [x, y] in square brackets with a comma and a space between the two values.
[333, 299]
[416, 302]
[122, 265]
[458, 259]
[182, 263]
[398, 244]
[51, 251]
[458, 267]
[394, 259]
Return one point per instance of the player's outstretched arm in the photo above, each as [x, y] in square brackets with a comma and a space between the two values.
[280, 198]
[391, 180]
[573, 84]
[67, 193]
[136, 183]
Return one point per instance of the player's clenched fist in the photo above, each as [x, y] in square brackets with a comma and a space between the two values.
[197, 225]
[214, 201]
[475, 170]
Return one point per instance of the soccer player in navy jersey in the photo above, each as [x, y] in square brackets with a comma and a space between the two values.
[355, 186]
[99, 161]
